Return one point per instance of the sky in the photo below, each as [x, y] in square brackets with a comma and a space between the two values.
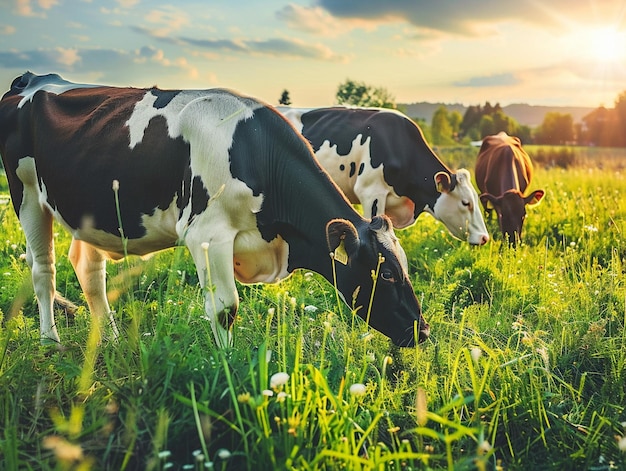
[556, 53]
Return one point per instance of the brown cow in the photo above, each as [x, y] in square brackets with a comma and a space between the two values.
[503, 172]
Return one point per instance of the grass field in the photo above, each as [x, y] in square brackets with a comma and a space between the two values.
[525, 367]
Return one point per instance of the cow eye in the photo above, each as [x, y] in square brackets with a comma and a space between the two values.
[467, 204]
[387, 276]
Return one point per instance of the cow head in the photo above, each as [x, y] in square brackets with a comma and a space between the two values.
[372, 279]
[457, 207]
[511, 210]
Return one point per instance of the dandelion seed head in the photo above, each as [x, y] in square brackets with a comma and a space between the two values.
[115, 185]
[358, 389]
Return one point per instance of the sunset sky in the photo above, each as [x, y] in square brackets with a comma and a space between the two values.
[558, 52]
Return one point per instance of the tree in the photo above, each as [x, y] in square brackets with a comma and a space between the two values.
[486, 126]
[602, 126]
[620, 109]
[360, 94]
[455, 119]
[480, 121]
[441, 129]
[471, 120]
[284, 99]
[556, 128]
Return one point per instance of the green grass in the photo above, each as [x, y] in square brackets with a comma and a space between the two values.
[525, 367]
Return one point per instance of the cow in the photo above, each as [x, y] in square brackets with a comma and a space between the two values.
[380, 159]
[131, 171]
[503, 173]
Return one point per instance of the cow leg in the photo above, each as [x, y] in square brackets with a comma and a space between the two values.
[90, 266]
[218, 283]
[37, 224]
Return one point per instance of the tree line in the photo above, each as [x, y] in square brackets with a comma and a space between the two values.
[605, 127]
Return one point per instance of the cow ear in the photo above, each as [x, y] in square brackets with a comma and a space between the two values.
[442, 179]
[489, 201]
[534, 198]
[343, 239]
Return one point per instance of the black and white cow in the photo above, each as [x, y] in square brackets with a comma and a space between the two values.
[379, 158]
[224, 174]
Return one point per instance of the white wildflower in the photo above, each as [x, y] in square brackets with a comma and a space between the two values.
[279, 379]
[357, 389]
[475, 353]
[223, 453]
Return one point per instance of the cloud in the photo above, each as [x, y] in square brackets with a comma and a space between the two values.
[127, 3]
[7, 30]
[25, 7]
[472, 17]
[317, 21]
[139, 63]
[496, 80]
[167, 21]
[272, 47]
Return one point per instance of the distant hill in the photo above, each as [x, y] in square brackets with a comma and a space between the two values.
[530, 115]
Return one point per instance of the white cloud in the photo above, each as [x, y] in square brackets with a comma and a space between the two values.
[316, 20]
[25, 7]
[127, 3]
[47, 4]
[7, 30]
[167, 21]
[67, 57]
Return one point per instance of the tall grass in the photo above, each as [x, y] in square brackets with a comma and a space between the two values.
[525, 368]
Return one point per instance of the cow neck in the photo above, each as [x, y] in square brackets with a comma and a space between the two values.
[425, 194]
[299, 199]
[412, 168]
[308, 201]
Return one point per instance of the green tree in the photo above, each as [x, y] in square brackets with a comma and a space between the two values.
[556, 128]
[284, 98]
[524, 133]
[361, 94]
[480, 121]
[455, 119]
[486, 126]
[440, 128]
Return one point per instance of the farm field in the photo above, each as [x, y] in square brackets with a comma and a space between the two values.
[525, 367]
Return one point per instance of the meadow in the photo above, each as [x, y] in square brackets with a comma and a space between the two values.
[525, 367]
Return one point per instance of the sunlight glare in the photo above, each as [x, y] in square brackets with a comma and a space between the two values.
[607, 44]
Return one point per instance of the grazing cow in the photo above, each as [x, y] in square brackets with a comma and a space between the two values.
[133, 171]
[379, 158]
[503, 172]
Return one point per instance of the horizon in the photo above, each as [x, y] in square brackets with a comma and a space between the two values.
[458, 52]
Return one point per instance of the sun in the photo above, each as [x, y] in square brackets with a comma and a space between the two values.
[605, 44]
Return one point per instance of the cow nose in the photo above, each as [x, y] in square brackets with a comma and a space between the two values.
[484, 239]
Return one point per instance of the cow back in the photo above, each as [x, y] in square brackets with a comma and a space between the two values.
[502, 165]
